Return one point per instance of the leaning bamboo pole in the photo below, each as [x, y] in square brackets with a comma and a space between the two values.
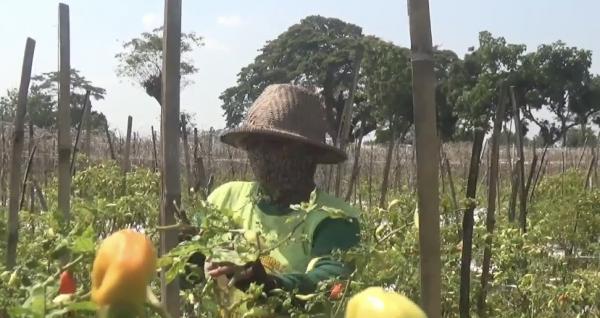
[171, 187]
[427, 155]
[15, 159]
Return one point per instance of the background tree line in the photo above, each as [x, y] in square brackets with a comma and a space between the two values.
[555, 90]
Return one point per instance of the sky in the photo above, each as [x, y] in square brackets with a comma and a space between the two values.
[234, 32]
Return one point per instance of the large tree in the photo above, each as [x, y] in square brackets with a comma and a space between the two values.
[388, 80]
[557, 80]
[317, 53]
[141, 60]
[474, 81]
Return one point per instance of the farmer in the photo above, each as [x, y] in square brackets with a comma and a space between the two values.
[284, 137]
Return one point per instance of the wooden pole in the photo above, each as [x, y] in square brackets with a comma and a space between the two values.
[79, 126]
[171, 189]
[64, 114]
[126, 164]
[521, 172]
[15, 159]
[427, 155]
[490, 220]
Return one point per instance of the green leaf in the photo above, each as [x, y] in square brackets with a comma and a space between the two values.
[83, 306]
[85, 243]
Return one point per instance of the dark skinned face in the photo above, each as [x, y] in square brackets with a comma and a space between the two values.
[284, 169]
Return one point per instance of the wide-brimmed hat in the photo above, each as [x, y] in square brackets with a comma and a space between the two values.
[288, 112]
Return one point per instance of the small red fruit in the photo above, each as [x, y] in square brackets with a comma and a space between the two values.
[336, 291]
[67, 283]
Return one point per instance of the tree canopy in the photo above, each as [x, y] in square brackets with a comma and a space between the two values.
[42, 100]
[141, 60]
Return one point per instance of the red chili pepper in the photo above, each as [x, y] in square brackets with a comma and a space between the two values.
[336, 291]
[67, 283]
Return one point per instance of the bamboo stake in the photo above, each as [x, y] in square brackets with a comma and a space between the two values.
[186, 153]
[490, 220]
[467, 228]
[355, 166]
[427, 155]
[31, 151]
[154, 155]
[38, 191]
[521, 167]
[79, 126]
[171, 192]
[2, 166]
[64, 115]
[108, 139]
[537, 175]
[386, 171]
[126, 164]
[370, 178]
[87, 119]
[344, 129]
[26, 176]
[15, 160]
[531, 173]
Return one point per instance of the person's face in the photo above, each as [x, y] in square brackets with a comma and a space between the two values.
[280, 166]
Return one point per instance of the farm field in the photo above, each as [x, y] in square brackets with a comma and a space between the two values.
[349, 175]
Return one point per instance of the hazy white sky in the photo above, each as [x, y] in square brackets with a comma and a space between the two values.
[235, 30]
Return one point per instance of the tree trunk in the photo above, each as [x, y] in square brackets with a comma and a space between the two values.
[427, 154]
[171, 185]
[465, 266]
[490, 219]
[15, 159]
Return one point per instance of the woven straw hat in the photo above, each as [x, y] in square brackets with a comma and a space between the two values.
[288, 112]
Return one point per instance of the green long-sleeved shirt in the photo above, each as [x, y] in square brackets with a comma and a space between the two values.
[328, 233]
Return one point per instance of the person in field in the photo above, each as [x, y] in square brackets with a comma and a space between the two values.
[284, 137]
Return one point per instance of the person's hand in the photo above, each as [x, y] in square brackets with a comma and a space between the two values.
[241, 276]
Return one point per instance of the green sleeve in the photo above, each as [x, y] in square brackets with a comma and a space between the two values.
[330, 235]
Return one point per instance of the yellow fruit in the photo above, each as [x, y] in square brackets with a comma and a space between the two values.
[374, 302]
[124, 265]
